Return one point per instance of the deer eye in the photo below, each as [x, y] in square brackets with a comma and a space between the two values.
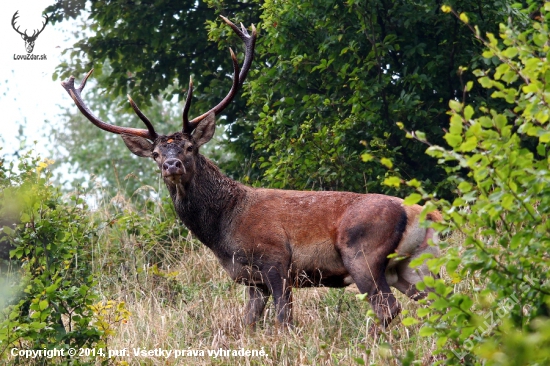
[155, 155]
[190, 148]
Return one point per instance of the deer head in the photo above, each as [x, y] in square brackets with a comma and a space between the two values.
[175, 153]
[29, 40]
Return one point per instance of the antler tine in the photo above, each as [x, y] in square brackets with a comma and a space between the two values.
[143, 117]
[75, 94]
[187, 127]
[228, 98]
[250, 42]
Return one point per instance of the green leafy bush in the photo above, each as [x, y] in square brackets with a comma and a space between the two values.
[49, 275]
[499, 163]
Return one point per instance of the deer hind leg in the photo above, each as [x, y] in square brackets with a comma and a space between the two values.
[257, 299]
[368, 272]
[365, 241]
[406, 283]
[408, 276]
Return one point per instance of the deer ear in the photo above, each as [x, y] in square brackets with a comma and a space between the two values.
[205, 129]
[138, 145]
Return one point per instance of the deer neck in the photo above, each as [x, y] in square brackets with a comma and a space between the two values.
[209, 203]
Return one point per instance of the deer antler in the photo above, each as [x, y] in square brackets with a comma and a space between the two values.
[187, 128]
[75, 93]
[238, 78]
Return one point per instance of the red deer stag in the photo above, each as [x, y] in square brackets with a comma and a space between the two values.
[272, 240]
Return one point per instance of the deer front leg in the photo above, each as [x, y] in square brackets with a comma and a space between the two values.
[282, 295]
[257, 299]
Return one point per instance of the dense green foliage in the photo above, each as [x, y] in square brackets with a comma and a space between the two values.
[502, 208]
[339, 75]
[47, 288]
[329, 81]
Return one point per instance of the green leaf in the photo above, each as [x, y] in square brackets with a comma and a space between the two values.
[544, 138]
[414, 183]
[392, 182]
[366, 157]
[455, 105]
[486, 82]
[485, 121]
[500, 121]
[43, 304]
[441, 341]
[469, 145]
[468, 112]
[465, 187]
[452, 139]
[412, 199]
[386, 162]
[409, 321]
[456, 124]
[508, 201]
[488, 54]
[422, 312]
[420, 135]
[426, 331]
[7, 230]
[510, 52]
[25, 218]
[429, 281]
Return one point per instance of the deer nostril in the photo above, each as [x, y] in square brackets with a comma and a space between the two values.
[172, 165]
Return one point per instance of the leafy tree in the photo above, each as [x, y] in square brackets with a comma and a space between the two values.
[329, 83]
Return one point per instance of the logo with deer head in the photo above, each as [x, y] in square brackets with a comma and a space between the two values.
[29, 40]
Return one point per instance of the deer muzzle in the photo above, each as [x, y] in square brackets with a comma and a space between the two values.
[173, 169]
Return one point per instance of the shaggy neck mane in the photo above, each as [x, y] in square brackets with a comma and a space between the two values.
[209, 202]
